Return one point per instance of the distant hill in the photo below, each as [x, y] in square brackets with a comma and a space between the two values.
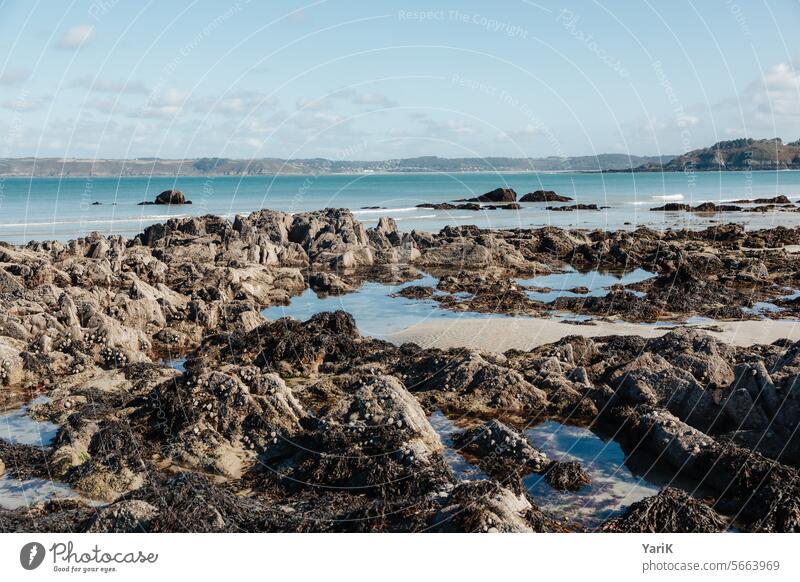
[54, 167]
[736, 155]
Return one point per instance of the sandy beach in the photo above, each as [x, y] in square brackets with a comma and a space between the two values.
[499, 335]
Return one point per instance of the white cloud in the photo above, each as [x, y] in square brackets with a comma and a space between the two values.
[448, 127]
[316, 120]
[313, 103]
[168, 104]
[778, 92]
[678, 122]
[77, 36]
[684, 121]
[23, 104]
[110, 86]
[238, 104]
[233, 106]
[14, 76]
[244, 103]
[373, 99]
[522, 133]
[351, 96]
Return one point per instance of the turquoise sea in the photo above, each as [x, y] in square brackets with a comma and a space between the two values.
[53, 208]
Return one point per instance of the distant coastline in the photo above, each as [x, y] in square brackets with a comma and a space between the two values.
[732, 155]
[218, 167]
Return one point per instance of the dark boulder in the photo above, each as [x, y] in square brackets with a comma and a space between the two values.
[499, 448]
[672, 207]
[168, 197]
[673, 511]
[496, 195]
[566, 476]
[544, 196]
[781, 199]
[171, 197]
[487, 506]
[573, 207]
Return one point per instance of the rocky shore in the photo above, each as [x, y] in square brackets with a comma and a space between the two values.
[310, 426]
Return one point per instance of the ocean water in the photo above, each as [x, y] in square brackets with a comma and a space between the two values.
[61, 209]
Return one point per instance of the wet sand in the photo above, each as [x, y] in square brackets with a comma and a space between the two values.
[499, 335]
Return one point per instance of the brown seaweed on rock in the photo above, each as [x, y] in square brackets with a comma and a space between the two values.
[671, 511]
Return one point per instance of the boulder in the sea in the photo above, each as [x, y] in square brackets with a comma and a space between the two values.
[573, 207]
[168, 197]
[171, 197]
[496, 195]
[544, 196]
[780, 199]
[672, 207]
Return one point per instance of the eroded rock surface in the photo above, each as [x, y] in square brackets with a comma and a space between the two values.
[310, 426]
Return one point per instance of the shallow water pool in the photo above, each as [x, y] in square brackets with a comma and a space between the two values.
[15, 493]
[376, 312]
[17, 427]
[597, 282]
[462, 468]
[614, 487]
[176, 363]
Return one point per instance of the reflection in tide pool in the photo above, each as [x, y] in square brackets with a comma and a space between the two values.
[613, 486]
[17, 427]
[380, 313]
[176, 363]
[376, 312]
[462, 468]
[15, 493]
[598, 283]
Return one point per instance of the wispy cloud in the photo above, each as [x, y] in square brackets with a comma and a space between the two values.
[110, 86]
[523, 133]
[23, 105]
[778, 92]
[14, 76]
[371, 99]
[239, 103]
[169, 103]
[316, 120]
[448, 127]
[77, 37]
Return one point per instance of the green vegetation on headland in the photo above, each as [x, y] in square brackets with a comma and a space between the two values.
[733, 155]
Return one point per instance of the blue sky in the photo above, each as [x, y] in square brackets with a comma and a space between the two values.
[357, 80]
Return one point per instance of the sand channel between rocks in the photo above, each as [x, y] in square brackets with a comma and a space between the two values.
[499, 335]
